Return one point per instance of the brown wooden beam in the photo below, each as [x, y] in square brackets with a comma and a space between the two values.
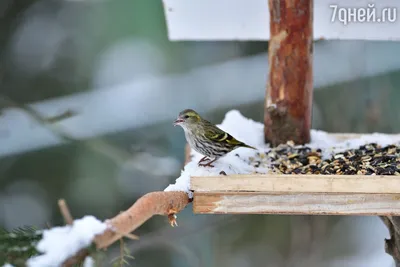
[221, 202]
[301, 183]
[288, 104]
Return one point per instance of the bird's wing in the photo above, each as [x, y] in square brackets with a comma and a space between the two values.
[217, 135]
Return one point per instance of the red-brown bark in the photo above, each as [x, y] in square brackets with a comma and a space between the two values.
[154, 203]
[290, 82]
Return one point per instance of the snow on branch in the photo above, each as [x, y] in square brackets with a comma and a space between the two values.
[68, 245]
[60, 243]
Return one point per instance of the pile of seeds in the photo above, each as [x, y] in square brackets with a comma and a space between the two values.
[369, 159]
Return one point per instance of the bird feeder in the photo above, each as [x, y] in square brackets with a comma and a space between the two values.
[288, 105]
[291, 26]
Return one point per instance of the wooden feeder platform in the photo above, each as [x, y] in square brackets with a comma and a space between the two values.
[297, 194]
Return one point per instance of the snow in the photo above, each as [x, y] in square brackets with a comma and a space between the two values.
[330, 145]
[89, 262]
[59, 243]
[252, 133]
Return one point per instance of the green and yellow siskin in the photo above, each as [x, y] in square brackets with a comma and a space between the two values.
[206, 138]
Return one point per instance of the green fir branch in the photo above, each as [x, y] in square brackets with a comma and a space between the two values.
[18, 245]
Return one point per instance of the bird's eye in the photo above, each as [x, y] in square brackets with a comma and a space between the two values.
[186, 116]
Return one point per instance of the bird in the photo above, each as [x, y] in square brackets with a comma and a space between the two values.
[206, 138]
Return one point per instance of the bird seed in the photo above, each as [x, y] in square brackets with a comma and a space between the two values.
[370, 159]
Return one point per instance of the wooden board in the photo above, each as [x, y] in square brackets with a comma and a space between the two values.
[297, 194]
[290, 183]
[296, 203]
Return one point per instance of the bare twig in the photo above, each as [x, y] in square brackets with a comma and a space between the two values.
[36, 116]
[130, 236]
[49, 123]
[63, 116]
[65, 211]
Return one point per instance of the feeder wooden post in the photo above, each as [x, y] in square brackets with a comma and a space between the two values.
[288, 102]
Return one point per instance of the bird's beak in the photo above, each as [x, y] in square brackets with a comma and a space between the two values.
[177, 122]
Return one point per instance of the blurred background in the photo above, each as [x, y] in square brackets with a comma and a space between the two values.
[88, 93]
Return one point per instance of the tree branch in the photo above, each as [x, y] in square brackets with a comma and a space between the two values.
[65, 212]
[154, 203]
[49, 123]
[392, 245]
[45, 122]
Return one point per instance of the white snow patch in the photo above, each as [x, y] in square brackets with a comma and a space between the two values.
[330, 145]
[252, 133]
[59, 243]
[89, 262]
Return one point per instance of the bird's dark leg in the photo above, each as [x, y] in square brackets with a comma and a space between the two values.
[203, 159]
[208, 164]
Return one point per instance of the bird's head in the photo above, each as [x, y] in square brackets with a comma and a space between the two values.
[187, 118]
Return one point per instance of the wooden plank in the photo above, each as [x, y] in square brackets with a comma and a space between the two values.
[249, 20]
[296, 203]
[370, 184]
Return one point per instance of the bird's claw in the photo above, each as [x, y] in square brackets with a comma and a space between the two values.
[203, 159]
[208, 164]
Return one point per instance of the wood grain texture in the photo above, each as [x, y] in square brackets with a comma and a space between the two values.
[288, 99]
[296, 203]
[371, 184]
